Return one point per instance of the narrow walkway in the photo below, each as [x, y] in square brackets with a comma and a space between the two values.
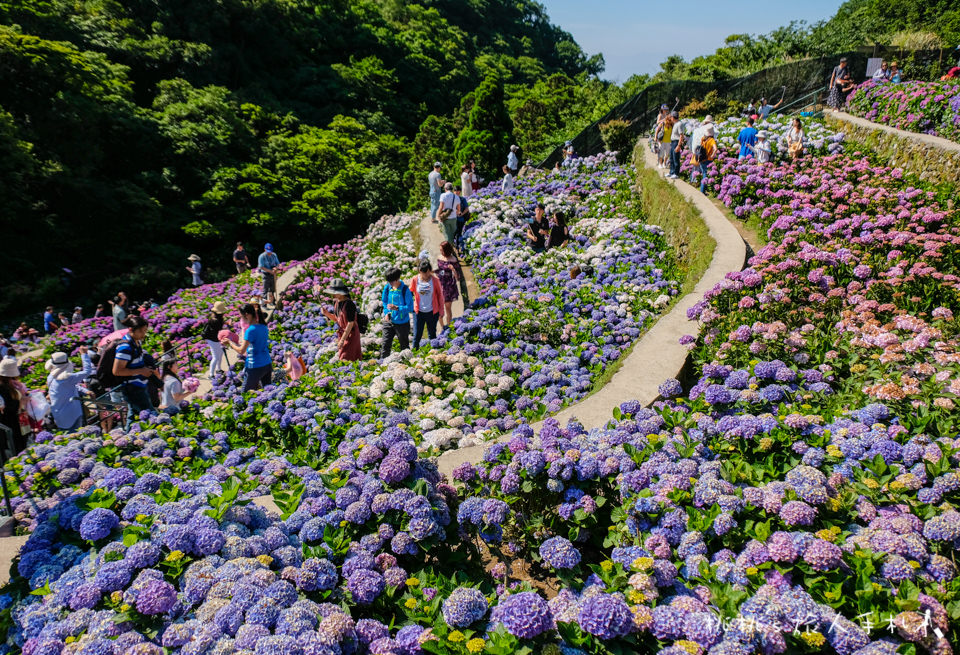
[925, 139]
[658, 355]
[431, 236]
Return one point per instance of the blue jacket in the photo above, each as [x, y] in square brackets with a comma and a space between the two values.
[402, 298]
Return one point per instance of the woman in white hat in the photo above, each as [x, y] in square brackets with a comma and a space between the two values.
[62, 388]
[211, 334]
[194, 269]
[15, 400]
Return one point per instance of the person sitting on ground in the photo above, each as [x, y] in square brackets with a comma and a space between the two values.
[62, 381]
[241, 259]
[559, 231]
[194, 270]
[747, 137]
[538, 229]
[428, 302]
[267, 264]
[77, 314]
[173, 393]
[294, 366]
[344, 314]
[130, 364]
[894, 73]
[761, 149]
[450, 274]
[258, 367]
[397, 301]
[882, 74]
[795, 139]
[507, 183]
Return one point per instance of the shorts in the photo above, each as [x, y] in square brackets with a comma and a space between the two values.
[269, 283]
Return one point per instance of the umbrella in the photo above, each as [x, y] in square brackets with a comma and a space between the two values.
[113, 336]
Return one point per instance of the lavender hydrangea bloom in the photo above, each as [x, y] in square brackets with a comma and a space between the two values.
[156, 597]
[524, 615]
[98, 523]
[365, 585]
[606, 616]
[464, 606]
[559, 553]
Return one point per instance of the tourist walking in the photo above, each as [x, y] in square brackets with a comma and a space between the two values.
[130, 364]
[344, 314]
[436, 188]
[513, 162]
[255, 347]
[62, 381]
[840, 84]
[462, 219]
[450, 274]
[194, 270]
[795, 139]
[14, 402]
[449, 210]
[101, 311]
[704, 154]
[677, 140]
[50, 323]
[666, 136]
[746, 138]
[427, 302]
[267, 264]
[240, 258]
[77, 314]
[211, 335]
[397, 301]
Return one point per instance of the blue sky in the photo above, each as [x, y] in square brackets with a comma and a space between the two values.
[636, 35]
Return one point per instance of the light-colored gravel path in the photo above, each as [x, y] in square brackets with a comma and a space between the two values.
[658, 355]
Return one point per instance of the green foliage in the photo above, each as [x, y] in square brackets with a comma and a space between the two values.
[196, 124]
[488, 134]
[713, 104]
[618, 135]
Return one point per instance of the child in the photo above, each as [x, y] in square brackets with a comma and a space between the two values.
[173, 391]
[761, 149]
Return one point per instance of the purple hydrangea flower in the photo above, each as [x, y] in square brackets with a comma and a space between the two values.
[464, 606]
[559, 553]
[98, 523]
[606, 616]
[524, 615]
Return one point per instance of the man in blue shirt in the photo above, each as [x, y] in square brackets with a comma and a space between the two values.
[747, 138]
[130, 364]
[397, 303]
[267, 264]
[49, 321]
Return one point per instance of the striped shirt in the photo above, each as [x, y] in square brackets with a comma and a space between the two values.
[132, 354]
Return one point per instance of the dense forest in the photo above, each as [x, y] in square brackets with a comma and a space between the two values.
[133, 133]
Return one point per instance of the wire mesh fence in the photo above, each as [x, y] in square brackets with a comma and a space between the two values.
[800, 82]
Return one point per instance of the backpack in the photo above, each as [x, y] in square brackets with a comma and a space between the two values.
[104, 375]
[362, 322]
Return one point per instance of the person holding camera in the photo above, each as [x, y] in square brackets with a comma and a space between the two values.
[397, 303]
[62, 384]
[131, 364]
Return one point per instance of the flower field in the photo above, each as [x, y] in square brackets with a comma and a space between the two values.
[925, 107]
[797, 495]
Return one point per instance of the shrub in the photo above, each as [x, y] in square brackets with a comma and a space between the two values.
[618, 136]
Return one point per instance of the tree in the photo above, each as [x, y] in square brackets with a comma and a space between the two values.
[488, 134]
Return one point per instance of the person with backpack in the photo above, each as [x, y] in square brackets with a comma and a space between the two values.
[427, 302]
[267, 264]
[345, 315]
[397, 303]
[449, 211]
[258, 366]
[211, 334]
[462, 219]
[62, 384]
[705, 153]
[130, 366]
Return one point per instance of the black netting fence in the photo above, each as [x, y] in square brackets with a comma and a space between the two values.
[802, 83]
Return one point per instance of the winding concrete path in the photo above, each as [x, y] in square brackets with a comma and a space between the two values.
[924, 139]
[431, 236]
[658, 354]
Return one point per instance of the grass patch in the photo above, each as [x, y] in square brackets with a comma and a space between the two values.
[682, 224]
